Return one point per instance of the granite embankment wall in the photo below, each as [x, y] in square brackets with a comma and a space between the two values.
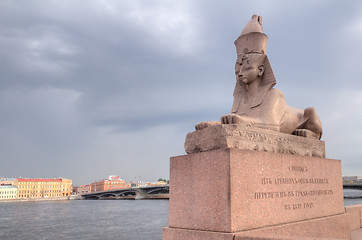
[354, 216]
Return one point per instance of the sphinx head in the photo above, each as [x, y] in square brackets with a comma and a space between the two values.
[249, 68]
[252, 65]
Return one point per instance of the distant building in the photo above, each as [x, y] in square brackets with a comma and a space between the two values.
[7, 181]
[155, 184]
[82, 189]
[8, 192]
[41, 188]
[350, 178]
[114, 177]
[107, 185]
[141, 184]
[67, 187]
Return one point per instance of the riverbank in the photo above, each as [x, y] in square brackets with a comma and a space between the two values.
[79, 197]
[36, 199]
[147, 197]
[165, 196]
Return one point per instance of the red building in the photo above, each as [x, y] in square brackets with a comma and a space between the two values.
[113, 182]
[82, 189]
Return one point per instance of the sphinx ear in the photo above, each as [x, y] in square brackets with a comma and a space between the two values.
[261, 70]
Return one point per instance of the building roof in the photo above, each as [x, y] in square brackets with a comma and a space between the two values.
[39, 180]
[7, 179]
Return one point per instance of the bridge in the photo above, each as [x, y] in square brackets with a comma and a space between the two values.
[157, 192]
[352, 185]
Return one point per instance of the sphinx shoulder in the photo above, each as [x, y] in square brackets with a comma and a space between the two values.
[275, 94]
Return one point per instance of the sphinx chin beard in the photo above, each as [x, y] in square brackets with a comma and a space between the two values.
[242, 80]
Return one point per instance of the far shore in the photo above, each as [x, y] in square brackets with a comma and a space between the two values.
[78, 197]
[36, 199]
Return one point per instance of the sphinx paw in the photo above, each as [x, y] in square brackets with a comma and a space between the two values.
[203, 125]
[305, 133]
[232, 119]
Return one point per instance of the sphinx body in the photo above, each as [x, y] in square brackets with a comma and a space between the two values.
[256, 102]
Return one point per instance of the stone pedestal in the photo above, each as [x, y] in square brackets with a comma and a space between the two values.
[252, 138]
[235, 194]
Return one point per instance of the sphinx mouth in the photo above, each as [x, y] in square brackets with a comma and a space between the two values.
[242, 79]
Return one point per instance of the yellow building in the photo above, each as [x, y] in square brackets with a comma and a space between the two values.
[8, 192]
[67, 187]
[155, 184]
[43, 188]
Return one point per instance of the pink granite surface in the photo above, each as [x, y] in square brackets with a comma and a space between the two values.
[354, 216]
[233, 190]
[331, 228]
[200, 191]
[186, 234]
[289, 188]
[356, 234]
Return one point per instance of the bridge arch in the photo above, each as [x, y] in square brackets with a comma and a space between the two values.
[138, 193]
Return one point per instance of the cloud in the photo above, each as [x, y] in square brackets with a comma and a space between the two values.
[105, 86]
[47, 116]
[342, 119]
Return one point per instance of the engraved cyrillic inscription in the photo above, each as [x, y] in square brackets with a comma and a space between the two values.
[284, 194]
[298, 168]
[295, 206]
[266, 181]
[281, 181]
[294, 182]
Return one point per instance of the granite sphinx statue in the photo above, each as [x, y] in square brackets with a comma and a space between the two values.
[256, 102]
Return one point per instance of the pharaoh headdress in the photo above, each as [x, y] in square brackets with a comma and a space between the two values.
[253, 40]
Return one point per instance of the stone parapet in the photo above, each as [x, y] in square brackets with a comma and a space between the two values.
[236, 136]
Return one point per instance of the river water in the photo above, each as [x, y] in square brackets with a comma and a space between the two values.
[83, 219]
[93, 219]
[352, 197]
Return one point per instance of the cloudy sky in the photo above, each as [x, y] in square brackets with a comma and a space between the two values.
[91, 88]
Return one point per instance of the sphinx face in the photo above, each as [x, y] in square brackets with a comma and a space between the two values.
[249, 68]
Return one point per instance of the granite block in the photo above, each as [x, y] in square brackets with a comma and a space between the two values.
[230, 190]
